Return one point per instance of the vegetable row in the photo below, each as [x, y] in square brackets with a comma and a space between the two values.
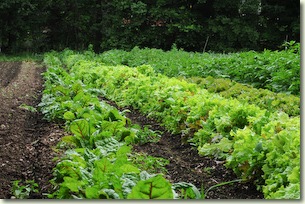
[278, 71]
[95, 161]
[226, 87]
[258, 144]
[263, 98]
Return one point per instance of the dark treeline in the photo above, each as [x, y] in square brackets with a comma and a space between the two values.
[194, 25]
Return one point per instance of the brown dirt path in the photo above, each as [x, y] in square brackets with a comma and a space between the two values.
[25, 139]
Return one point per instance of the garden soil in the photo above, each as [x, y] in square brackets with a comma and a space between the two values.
[27, 142]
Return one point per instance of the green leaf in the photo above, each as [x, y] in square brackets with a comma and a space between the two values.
[28, 108]
[154, 188]
[69, 139]
[77, 87]
[294, 176]
[72, 183]
[92, 192]
[128, 168]
[102, 166]
[80, 128]
[114, 115]
[79, 97]
[259, 147]
[111, 194]
[191, 191]
[69, 115]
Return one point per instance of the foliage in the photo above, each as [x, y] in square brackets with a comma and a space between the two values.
[149, 163]
[249, 138]
[28, 108]
[145, 135]
[278, 71]
[23, 191]
[20, 57]
[197, 25]
[96, 163]
[265, 99]
[187, 191]
[152, 188]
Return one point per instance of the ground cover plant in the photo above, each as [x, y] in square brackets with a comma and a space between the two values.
[270, 151]
[26, 56]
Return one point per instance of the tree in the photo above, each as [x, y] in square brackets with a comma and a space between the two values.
[194, 25]
[21, 25]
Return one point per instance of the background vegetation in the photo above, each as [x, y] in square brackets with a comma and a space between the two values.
[194, 25]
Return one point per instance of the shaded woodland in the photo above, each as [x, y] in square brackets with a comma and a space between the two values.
[194, 25]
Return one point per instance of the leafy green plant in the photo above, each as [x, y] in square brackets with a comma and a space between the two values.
[292, 46]
[155, 187]
[185, 190]
[23, 190]
[96, 162]
[265, 99]
[278, 71]
[226, 128]
[28, 108]
[146, 135]
[149, 163]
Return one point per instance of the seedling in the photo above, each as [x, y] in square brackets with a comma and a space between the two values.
[23, 191]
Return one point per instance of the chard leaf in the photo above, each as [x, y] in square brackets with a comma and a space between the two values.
[72, 183]
[154, 188]
[69, 115]
[111, 194]
[69, 139]
[92, 192]
[129, 181]
[128, 168]
[80, 128]
[190, 191]
[102, 167]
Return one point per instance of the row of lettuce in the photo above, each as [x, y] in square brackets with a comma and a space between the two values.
[278, 67]
[259, 144]
[278, 71]
[95, 161]
[263, 98]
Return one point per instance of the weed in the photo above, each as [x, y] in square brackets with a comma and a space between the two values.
[146, 135]
[23, 191]
[149, 163]
[207, 170]
[28, 108]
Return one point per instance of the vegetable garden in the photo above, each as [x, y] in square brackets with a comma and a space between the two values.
[242, 110]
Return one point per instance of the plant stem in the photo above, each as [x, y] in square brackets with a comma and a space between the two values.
[224, 183]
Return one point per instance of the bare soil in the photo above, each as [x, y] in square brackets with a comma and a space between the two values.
[27, 141]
